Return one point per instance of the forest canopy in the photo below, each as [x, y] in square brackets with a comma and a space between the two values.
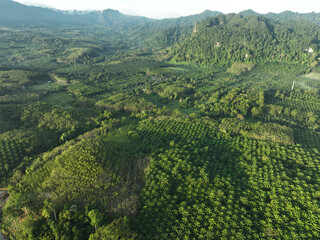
[123, 127]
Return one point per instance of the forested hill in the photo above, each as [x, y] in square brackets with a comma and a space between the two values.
[311, 17]
[145, 31]
[288, 15]
[140, 30]
[166, 32]
[16, 14]
[13, 14]
[229, 38]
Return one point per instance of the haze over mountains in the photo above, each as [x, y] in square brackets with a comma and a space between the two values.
[271, 29]
[13, 13]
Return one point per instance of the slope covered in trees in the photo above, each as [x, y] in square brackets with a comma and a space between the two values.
[198, 183]
[102, 136]
[312, 17]
[229, 38]
[138, 29]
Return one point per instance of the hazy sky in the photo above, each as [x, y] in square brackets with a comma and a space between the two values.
[176, 8]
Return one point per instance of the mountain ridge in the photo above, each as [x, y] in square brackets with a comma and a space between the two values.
[44, 15]
[160, 34]
[230, 38]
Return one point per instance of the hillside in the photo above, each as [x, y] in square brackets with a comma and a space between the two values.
[229, 38]
[139, 30]
[166, 32]
[124, 127]
[16, 14]
[312, 17]
[13, 14]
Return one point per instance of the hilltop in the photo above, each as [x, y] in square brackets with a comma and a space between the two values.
[229, 38]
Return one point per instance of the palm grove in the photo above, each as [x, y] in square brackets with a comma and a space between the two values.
[121, 127]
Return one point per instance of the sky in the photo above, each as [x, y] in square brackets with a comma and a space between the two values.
[176, 8]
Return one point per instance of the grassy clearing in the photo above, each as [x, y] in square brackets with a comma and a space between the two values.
[172, 104]
[59, 79]
[313, 75]
[178, 69]
[46, 87]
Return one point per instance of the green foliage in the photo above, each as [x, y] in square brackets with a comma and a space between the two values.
[264, 131]
[63, 185]
[234, 125]
[9, 117]
[174, 91]
[234, 102]
[12, 153]
[208, 185]
[232, 38]
[82, 55]
[117, 230]
[239, 68]
[59, 99]
[15, 79]
[168, 151]
[33, 112]
[272, 132]
[170, 36]
[255, 112]
[77, 183]
[126, 102]
[191, 177]
[312, 17]
[58, 120]
[95, 217]
[80, 89]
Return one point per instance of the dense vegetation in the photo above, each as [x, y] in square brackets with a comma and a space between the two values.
[258, 40]
[173, 129]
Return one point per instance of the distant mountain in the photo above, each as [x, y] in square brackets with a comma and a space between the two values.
[189, 20]
[166, 32]
[113, 18]
[141, 30]
[230, 38]
[144, 30]
[288, 15]
[249, 12]
[13, 13]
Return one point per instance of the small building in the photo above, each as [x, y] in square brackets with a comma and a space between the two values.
[309, 50]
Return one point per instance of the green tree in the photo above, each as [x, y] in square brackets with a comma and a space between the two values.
[295, 113]
[256, 112]
[117, 230]
[95, 217]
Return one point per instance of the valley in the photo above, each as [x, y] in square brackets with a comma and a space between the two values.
[121, 127]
